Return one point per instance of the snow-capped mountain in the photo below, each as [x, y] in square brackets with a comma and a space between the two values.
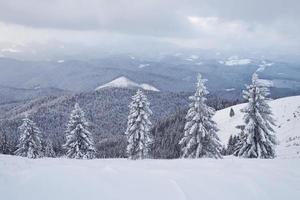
[123, 82]
[287, 115]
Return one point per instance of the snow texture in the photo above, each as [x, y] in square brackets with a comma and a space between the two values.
[182, 179]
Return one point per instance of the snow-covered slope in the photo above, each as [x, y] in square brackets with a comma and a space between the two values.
[123, 82]
[287, 115]
[181, 179]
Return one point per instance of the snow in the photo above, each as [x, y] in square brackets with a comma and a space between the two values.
[230, 89]
[123, 82]
[143, 65]
[181, 179]
[192, 58]
[265, 82]
[146, 86]
[287, 115]
[263, 66]
[235, 60]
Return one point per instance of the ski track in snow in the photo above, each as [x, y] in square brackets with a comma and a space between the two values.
[181, 193]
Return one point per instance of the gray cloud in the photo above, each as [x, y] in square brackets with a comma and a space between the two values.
[265, 23]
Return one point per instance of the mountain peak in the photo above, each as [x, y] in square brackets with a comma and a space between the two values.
[124, 82]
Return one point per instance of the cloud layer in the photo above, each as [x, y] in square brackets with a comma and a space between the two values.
[188, 23]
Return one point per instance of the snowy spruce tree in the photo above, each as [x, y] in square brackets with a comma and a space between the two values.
[200, 138]
[48, 149]
[29, 143]
[138, 127]
[79, 144]
[259, 139]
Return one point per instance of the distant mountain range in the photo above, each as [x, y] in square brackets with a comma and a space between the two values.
[11, 94]
[226, 76]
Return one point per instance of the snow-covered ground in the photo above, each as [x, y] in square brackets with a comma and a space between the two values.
[180, 179]
[287, 115]
[114, 179]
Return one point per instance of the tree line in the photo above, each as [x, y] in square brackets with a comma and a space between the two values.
[199, 136]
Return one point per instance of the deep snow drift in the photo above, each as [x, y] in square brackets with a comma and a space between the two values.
[287, 115]
[230, 178]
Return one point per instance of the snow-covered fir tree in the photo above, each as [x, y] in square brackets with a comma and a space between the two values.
[29, 143]
[80, 143]
[138, 127]
[200, 138]
[259, 139]
[48, 149]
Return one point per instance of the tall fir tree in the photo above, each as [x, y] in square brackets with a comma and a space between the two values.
[138, 133]
[200, 138]
[259, 138]
[29, 143]
[80, 143]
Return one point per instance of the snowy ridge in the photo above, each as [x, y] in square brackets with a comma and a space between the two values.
[287, 115]
[123, 82]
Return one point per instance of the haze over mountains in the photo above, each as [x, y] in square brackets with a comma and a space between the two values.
[226, 75]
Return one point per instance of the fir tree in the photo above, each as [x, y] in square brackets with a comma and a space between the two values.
[138, 127]
[79, 144]
[232, 144]
[231, 113]
[29, 143]
[229, 145]
[200, 138]
[4, 144]
[258, 140]
[48, 149]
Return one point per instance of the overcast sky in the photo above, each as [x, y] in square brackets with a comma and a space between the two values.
[208, 24]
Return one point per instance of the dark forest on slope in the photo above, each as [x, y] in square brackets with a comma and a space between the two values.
[106, 111]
